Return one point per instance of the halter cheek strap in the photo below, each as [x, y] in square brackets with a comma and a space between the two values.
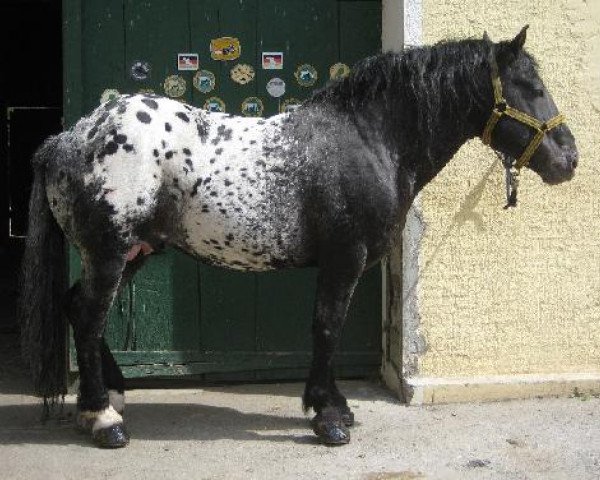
[501, 108]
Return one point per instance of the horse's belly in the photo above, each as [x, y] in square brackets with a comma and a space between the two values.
[227, 234]
[232, 219]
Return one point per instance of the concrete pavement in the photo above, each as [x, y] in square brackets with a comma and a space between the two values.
[260, 432]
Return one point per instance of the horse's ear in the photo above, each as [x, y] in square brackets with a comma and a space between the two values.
[508, 51]
[518, 42]
[486, 37]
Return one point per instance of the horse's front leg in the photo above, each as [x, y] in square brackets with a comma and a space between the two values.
[339, 271]
[89, 303]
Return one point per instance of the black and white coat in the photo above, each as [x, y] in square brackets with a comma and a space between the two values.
[233, 191]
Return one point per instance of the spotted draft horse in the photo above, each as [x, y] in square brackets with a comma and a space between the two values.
[327, 185]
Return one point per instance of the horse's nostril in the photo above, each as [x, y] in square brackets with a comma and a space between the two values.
[572, 158]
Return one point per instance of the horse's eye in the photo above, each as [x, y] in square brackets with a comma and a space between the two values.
[530, 86]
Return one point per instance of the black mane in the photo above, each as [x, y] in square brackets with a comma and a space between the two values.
[429, 94]
[416, 73]
[448, 81]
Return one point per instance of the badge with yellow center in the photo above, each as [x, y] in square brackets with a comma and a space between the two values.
[109, 94]
[214, 104]
[174, 86]
[204, 81]
[289, 105]
[225, 48]
[242, 73]
[252, 107]
[338, 71]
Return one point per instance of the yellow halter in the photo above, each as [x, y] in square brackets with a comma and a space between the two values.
[501, 108]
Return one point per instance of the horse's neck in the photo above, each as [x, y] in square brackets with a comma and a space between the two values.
[426, 150]
[448, 137]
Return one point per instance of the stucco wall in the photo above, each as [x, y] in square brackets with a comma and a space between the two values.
[506, 292]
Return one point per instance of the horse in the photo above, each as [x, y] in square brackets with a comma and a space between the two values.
[327, 185]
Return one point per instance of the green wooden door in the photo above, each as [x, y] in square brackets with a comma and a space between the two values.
[179, 316]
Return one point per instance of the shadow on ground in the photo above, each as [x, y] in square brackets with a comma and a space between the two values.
[158, 421]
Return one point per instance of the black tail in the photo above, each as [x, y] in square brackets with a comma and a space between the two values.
[43, 285]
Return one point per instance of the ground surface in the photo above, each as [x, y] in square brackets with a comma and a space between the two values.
[260, 432]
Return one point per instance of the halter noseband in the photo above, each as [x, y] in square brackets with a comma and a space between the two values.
[501, 108]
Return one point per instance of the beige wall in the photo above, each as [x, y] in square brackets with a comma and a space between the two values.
[506, 292]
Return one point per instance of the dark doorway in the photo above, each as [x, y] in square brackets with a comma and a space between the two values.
[30, 110]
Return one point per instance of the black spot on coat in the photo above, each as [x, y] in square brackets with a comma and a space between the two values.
[92, 132]
[182, 116]
[197, 183]
[143, 117]
[101, 119]
[110, 148]
[150, 103]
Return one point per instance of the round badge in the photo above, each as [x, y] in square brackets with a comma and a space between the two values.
[204, 80]
[242, 73]
[306, 75]
[252, 107]
[140, 71]
[289, 105]
[109, 94]
[214, 104]
[276, 87]
[339, 71]
[174, 86]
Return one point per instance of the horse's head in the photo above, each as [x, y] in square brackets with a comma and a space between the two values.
[538, 139]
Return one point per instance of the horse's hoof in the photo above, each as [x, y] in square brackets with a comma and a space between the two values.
[330, 428]
[114, 436]
[347, 416]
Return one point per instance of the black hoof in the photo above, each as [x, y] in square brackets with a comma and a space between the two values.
[329, 427]
[347, 416]
[114, 436]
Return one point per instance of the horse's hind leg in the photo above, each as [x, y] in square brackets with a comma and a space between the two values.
[113, 379]
[111, 373]
[89, 304]
[339, 271]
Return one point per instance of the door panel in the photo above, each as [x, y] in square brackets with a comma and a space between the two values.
[181, 317]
